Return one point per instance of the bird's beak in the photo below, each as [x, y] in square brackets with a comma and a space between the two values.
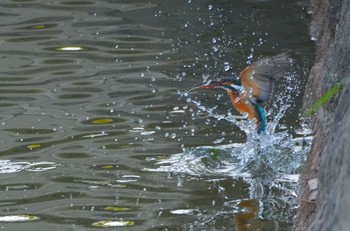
[210, 84]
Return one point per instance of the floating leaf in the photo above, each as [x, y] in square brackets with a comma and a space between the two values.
[39, 27]
[116, 209]
[102, 121]
[107, 166]
[32, 146]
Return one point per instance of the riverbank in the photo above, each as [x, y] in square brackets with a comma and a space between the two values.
[325, 180]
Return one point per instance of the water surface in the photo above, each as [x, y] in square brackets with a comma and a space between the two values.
[97, 131]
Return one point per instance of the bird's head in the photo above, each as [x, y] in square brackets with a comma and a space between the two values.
[228, 83]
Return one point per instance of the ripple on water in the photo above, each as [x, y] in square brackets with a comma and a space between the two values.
[89, 111]
[7, 166]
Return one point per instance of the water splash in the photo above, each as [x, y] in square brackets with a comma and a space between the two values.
[269, 163]
[265, 157]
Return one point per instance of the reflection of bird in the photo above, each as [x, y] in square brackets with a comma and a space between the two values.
[253, 86]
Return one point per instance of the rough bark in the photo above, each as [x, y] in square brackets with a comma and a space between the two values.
[329, 159]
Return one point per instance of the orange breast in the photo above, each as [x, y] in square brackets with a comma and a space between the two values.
[243, 106]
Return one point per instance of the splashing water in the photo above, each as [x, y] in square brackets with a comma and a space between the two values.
[269, 163]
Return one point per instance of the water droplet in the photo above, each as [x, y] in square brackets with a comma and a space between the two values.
[227, 66]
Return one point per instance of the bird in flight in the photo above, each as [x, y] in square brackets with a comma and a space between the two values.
[253, 87]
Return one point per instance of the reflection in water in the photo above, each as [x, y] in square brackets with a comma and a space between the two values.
[96, 130]
[243, 219]
[6, 166]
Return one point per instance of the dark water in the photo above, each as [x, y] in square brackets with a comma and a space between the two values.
[98, 132]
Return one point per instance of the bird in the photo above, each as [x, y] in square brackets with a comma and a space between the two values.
[253, 87]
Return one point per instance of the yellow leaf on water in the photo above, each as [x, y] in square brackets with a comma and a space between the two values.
[39, 27]
[32, 146]
[117, 209]
[107, 166]
[102, 121]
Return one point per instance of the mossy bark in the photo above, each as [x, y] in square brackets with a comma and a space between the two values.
[329, 159]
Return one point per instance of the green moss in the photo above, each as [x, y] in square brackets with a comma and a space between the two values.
[324, 99]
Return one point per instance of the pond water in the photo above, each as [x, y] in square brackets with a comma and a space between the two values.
[98, 130]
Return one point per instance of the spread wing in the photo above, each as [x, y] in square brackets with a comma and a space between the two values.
[257, 79]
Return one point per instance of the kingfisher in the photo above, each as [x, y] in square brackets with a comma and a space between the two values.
[253, 87]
